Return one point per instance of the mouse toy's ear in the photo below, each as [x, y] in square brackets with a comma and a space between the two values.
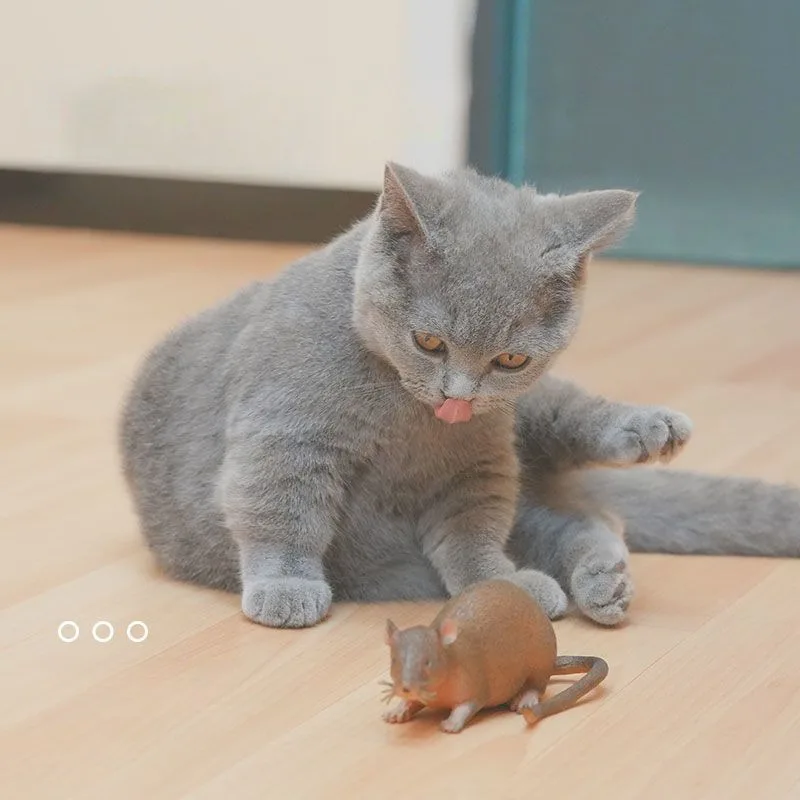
[448, 632]
[391, 632]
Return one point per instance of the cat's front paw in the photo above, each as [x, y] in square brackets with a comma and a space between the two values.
[602, 586]
[287, 602]
[646, 436]
[545, 590]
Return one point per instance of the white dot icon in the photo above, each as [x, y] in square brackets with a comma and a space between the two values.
[145, 631]
[72, 627]
[109, 628]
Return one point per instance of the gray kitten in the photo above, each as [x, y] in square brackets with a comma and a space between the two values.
[360, 427]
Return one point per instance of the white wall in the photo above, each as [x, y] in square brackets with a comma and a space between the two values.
[302, 92]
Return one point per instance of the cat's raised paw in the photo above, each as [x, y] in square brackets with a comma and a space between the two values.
[545, 590]
[648, 435]
[602, 587]
[287, 602]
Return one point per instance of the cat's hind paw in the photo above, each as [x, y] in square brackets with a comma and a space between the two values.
[287, 602]
[602, 587]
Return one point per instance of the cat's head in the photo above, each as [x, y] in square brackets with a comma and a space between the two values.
[470, 287]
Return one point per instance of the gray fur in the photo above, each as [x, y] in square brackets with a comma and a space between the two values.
[577, 513]
[562, 433]
[666, 511]
[282, 444]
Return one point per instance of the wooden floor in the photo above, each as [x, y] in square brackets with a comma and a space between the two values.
[703, 697]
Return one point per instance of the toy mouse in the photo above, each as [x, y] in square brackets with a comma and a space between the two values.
[490, 645]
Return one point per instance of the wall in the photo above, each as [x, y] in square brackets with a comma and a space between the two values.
[311, 93]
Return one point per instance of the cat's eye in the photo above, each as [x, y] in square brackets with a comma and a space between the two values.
[511, 360]
[430, 343]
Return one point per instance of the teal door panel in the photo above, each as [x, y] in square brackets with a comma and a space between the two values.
[695, 104]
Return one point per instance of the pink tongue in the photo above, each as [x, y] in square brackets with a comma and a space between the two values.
[455, 410]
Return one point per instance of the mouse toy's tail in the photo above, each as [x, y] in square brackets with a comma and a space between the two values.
[596, 670]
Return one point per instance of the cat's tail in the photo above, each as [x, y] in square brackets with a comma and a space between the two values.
[669, 511]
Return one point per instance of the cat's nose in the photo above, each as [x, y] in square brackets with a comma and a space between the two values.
[459, 386]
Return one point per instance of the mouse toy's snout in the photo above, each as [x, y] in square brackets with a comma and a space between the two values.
[409, 691]
[412, 676]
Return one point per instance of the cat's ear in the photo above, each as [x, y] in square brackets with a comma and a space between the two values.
[588, 222]
[405, 195]
[596, 220]
[391, 633]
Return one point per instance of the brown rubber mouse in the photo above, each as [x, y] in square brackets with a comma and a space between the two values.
[489, 646]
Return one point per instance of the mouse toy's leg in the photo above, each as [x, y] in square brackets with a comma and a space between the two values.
[403, 711]
[459, 717]
[527, 698]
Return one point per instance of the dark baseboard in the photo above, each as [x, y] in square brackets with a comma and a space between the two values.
[178, 207]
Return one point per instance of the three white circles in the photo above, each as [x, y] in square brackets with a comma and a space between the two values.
[103, 631]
